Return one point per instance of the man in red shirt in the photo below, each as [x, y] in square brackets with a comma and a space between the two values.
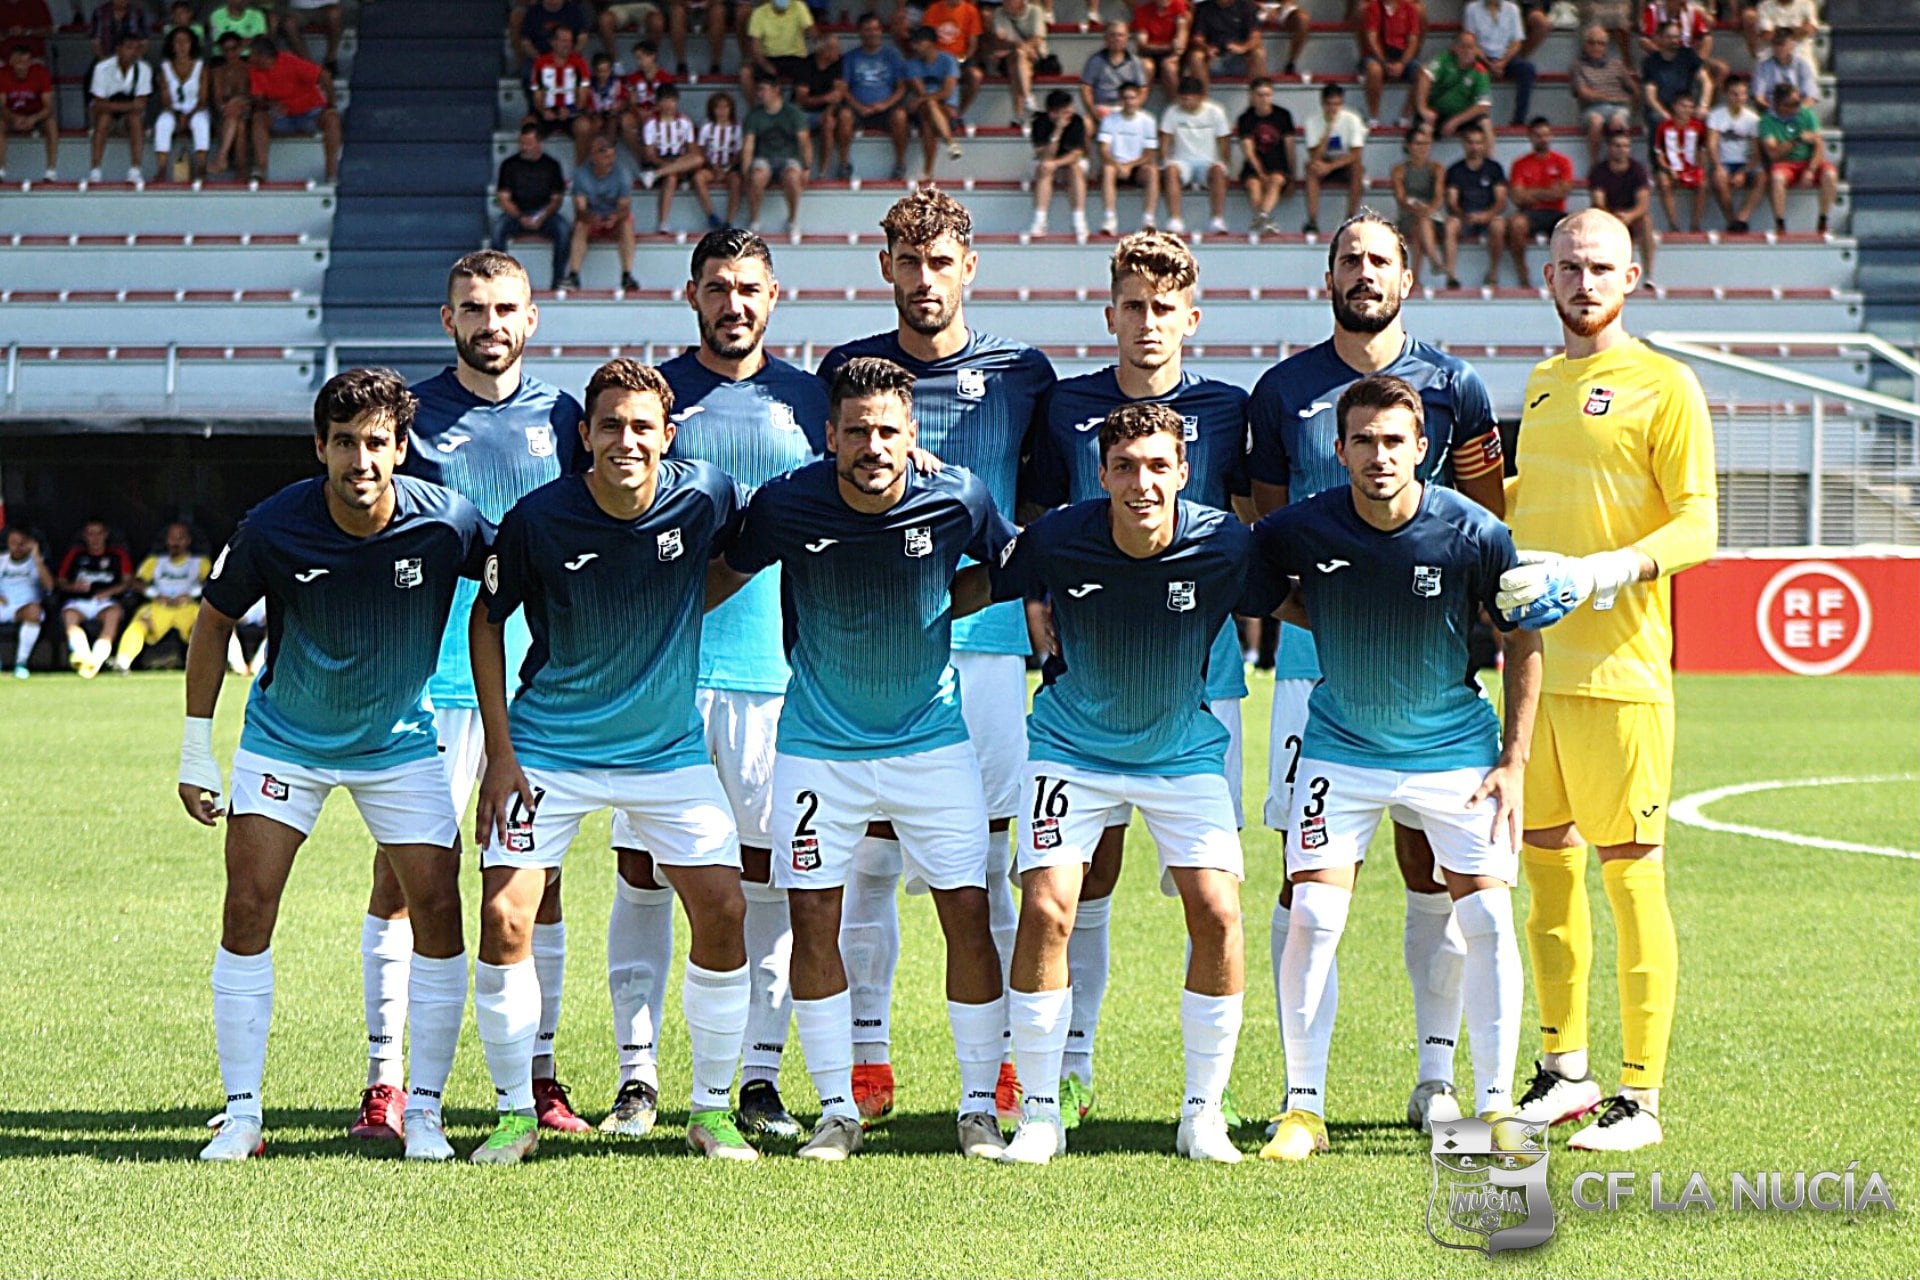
[558, 84]
[957, 28]
[27, 22]
[291, 97]
[1390, 33]
[26, 104]
[1537, 183]
[1161, 28]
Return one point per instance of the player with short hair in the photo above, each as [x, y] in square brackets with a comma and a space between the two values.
[1617, 475]
[755, 417]
[1122, 722]
[491, 432]
[173, 585]
[610, 569]
[1395, 572]
[1151, 315]
[358, 568]
[93, 575]
[975, 397]
[25, 584]
[1293, 456]
[872, 728]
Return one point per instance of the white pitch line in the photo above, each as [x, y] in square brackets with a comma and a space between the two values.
[1687, 810]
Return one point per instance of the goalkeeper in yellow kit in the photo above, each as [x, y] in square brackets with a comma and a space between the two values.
[1616, 488]
[172, 584]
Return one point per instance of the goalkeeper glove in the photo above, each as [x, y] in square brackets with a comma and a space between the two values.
[1547, 587]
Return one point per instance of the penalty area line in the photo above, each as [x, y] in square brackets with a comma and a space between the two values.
[1690, 811]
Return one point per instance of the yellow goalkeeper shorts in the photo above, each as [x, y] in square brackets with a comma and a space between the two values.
[1605, 766]
[157, 619]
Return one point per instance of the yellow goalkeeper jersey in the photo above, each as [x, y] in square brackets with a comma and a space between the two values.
[1616, 450]
[169, 577]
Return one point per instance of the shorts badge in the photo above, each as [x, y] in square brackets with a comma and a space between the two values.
[1313, 832]
[806, 853]
[272, 788]
[1046, 833]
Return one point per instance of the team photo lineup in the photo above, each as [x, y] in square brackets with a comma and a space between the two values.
[779, 622]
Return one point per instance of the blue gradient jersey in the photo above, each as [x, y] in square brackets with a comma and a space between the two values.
[1392, 613]
[1292, 435]
[753, 429]
[1127, 693]
[493, 455]
[975, 409]
[353, 624]
[615, 607]
[868, 614]
[1064, 466]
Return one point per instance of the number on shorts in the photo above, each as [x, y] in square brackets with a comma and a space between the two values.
[812, 802]
[1316, 797]
[1293, 758]
[1049, 797]
[518, 814]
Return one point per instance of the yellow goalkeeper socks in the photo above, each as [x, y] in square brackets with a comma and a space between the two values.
[1560, 939]
[1649, 966]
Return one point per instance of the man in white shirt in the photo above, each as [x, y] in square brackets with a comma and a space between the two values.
[1507, 41]
[1336, 143]
[118, 93]
[1129, 152]
[668, 151]
[1769, 16]
[1732, 128]
[1194, 135]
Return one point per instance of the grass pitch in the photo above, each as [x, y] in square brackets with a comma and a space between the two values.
[1794, 1051]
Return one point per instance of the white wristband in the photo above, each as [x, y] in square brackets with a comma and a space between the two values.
[197, 765]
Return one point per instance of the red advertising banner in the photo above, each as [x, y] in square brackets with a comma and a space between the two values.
[1808, 617]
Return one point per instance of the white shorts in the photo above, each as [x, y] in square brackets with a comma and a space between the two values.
[1337, 808]
[993, 699]
[740, 734]
[10, 607]
[1285, 731]
[821, 809]
[1227, 712]
[91, 607]
[1190, 818]
[680, 816]
[405, 804]
[1191, 174]
[463, 750]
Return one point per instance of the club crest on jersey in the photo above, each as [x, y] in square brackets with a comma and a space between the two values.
[1426, 579]
[670, 545]
[273, 788]
[806, 853]
[1180, 596]
[540, 440]
[970, 384]
[1046, 833]
[780, 414]
[1599, 400]
[408, 572]
[920, 541]
[1189, 427]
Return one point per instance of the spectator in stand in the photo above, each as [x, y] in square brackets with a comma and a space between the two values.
[671, 153]
[1020, 49]
[1784, 65]
[183, 103]
[1419, 190]
[119, 88]
[1390, 33]
[530, 190]
[1476, 204]
[1604, 89]
[777, 145]
[1615, 17]
[1194, 142]
[1796, 153]
[720, 139]
[558, 88]
[1619, 184]
[642, 85]
[1769, 16]
[292, 97]
[822, 94]
[1108, 69]
[239, 17]
[116, 19]
[1059, 137]
[93, 575]
[933, 96]
[26, 99]
[1161, 29]
[1507, 38]
[876, 77]
[181, 15]
[1266, 149]
[605, 99]
[1130, 153]
[958, 28]
[602, 210]
[300, 14]
[1677, 144]
[25, 584]
[27, 22]
[532, 23]
[1670, 71]
[1453, 93]
[172, 584]
[1538, 184]
[1336, 148]
[230, 85]
[645, 17]
[1292, 17]
[1226, 41]
[777, 32]
[1696, 32]
[1733, 131]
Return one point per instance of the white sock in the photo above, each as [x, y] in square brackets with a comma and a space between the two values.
[715, 1005]
[436, 1002]
[870, 949]
[386, 955]
[1040, 1020]
[1277, 948]
[242, 1008]
[550, 967]
[1088, 960]
[1003, 916]
[1571, 1065]
[1492, 989]
[979, 1042]
[77, 643]
[1308, 1001]
[826, 1041]
[506, 1008]
[1209, 1033]
[23, 646]
[769, 936]
[639, 953]
[1435, 952]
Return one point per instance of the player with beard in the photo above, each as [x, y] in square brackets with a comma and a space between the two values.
[755, 417]
[975, 397]
[491, 433]
[1292, 458]
[1617, 474]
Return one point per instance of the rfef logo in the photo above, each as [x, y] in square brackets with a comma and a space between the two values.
[1814, 618]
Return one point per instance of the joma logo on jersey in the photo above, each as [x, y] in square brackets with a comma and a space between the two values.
[806, 853]
[408, 573]
[970, 384]
[1180, 596]
[1426, 579]
[920, 540]
[670, 545]
[1599, 400]
[540, 441]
